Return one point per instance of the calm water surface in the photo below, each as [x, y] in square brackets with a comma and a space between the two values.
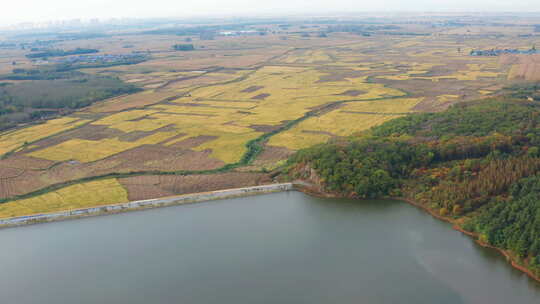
[276, 248]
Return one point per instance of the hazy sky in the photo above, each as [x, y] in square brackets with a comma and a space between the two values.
[41, 10]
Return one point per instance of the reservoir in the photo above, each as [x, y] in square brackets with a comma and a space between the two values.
[276, 248]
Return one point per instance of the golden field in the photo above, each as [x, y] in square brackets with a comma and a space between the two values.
[199, 109]
[10, 141]
[77, 196]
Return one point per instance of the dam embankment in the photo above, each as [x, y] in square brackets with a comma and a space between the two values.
[145, 204]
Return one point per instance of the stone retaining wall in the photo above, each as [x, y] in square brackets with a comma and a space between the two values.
[151, 203]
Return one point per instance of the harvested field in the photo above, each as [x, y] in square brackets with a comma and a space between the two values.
[198, 110]
[146, 187]
[340, 75]
[137, 100]
[20, 184]
[269, 159]
[192, 142]
[8, 173]
[261, 96]
[12, 140]
[25, 162]
[155, 157]
[353, 93]
[89, 150]
[252, 89]
[527, 68]
[186, 83]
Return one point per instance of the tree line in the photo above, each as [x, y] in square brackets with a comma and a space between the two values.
[28, 101]
[60, 53]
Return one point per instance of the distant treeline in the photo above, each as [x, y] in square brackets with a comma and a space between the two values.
[24, 102]
[355, 28]
[479, 161]
[64, 70]
[183, 47]
[63, 36]
[59, 53]
[525, 91]
[42, 73]
[368, 30]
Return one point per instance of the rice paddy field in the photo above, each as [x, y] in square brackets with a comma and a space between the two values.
[235, 108]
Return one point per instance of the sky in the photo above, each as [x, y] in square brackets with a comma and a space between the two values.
[14, 11]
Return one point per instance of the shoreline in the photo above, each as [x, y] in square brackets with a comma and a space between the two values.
[145, 204]
[475, 237]
[202, 197]
[317, 193]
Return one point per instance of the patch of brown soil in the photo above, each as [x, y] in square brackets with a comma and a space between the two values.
[264, 128]
[156, 157]
[528, 69]
[429, 90]
[87, 132]
[191, 104]
[448, 69]
[145, 117]
[136, 100]
[143, 158]
[135, 135]
[95, 132]
[199, 81]
[26, 182]
[372, 113]
[189, 114]
[508, 59]
[147, 187]
[193, 142]
[7, 172]
[262, 96]
[352, 93]
[252, 89]
[180, 135]
[273, 154]
[339, 75]
[25, 162]
[188, 160]
[325, 108]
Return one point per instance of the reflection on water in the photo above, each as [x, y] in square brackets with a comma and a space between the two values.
[277, 248]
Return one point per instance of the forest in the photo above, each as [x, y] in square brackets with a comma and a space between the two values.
[27, 101]
[477, 164]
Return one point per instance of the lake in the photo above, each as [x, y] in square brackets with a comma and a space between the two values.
[276, 248]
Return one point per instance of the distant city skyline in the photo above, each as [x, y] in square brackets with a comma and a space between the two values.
[41, 11]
